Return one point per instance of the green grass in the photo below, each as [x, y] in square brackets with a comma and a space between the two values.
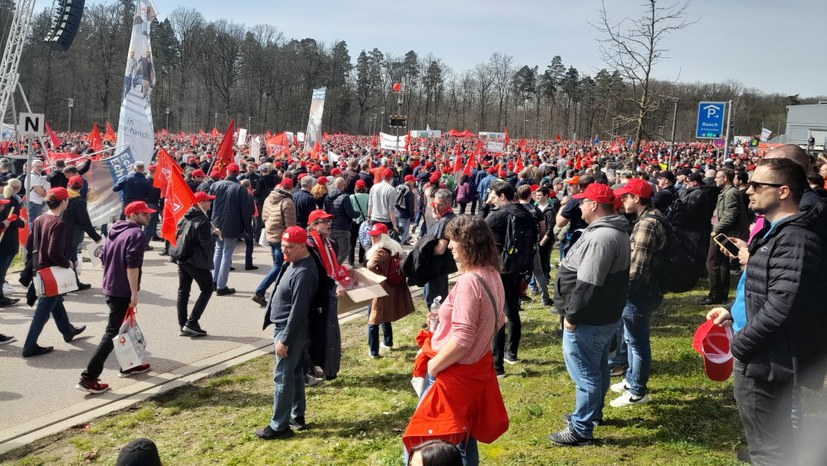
[359, 418]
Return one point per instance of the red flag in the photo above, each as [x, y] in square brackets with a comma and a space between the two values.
[505, 141]
[521, 144]
[214, 132]
[166, 166]
[225, 155]
[178, 200]
[518, 167]
[408, 140]
[277, 145]
[52, 137]
[94, 139]
[457, 163]
[469, 166]
[373, 141]
[558, 138]
[201, 132]
[317, 151]
[110, 135]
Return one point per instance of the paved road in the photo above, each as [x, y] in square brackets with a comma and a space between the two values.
[38, 392]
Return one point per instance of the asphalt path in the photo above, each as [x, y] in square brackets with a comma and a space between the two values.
[38, 397]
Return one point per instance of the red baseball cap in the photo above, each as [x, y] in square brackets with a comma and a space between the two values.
[378, 229]
[360, 184]
[287, 183]
[321, 180]
[201, 196]
[316, 168]
[216, 175]
[76, 181]
[597, 192]
[573, 180]
[58, 193]
[199, 173]
[335, 171]
[635, 186]
[387, 173]
[712, 342]
[232, 168]
[409, 178]
[137, 207]
[294, 234]
[318, 214]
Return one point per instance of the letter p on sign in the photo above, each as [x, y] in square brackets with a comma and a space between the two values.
[31, 124]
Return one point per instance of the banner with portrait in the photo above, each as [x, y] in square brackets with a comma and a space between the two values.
[314, 123]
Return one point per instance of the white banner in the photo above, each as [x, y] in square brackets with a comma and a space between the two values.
[391, 142]
[242, 137]
[255, 148]
[300, 136]
[136, 133]
[333, 157]
[765, 134]
[494, 146]
[314, 122]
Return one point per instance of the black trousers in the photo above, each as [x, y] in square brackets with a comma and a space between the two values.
[186, 274]
[117, 311]
[511, 289]
[717, 268]
[765, 409]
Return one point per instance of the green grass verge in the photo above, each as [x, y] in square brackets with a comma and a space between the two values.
[359, 418]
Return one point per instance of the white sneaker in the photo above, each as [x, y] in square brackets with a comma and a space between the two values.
[620, 387]
[384, 346]
[7, 289]
[627, 399]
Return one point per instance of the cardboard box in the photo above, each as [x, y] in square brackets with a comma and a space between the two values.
[366, 287]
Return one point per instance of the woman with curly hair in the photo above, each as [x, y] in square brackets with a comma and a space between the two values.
[460, 401]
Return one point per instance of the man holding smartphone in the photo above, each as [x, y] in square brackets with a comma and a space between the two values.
[778, 315]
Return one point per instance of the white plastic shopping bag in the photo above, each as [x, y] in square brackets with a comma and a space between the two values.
[94, 251]
[130, 345]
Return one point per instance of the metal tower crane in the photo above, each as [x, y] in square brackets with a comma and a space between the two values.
[9, 77]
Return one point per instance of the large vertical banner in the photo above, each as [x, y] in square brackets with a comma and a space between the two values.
[136, 134]
[314, 123]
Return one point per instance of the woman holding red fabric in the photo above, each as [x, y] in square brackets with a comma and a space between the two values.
[461, 401]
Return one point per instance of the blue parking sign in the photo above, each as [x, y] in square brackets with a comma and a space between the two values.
[710, 120]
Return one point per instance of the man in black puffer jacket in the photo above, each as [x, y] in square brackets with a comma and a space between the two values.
[778, 315]
[337, 203]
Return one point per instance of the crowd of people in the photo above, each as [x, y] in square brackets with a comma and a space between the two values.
[612, 210]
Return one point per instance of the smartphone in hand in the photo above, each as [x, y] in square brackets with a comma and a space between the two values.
[723, 241]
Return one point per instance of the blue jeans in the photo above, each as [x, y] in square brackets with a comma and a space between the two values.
[273, 274]
[586, 352]
[288, 384]
[636, 329]
[35, 210]
[621, 354]
[151, 228]
[436, 286]
[45, 307]
[222, 261]
[468, 449]
[404, 225]
[373, 336]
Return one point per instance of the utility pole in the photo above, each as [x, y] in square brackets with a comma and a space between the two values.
[728, 123]
[672, 145]
[71, 106]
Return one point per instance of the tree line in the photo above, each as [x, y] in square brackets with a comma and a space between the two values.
[211, 71]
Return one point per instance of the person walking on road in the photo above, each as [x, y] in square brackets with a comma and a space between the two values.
[232, 214]
[278, 213]
[289, 310]
[122, 258]
[49, 231]
[197, 236]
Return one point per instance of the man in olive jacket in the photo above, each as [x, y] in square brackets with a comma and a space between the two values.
[729, 218]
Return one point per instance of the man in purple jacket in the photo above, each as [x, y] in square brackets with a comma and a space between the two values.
[122, 258]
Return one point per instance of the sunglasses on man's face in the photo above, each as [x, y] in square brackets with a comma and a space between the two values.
[755, 185]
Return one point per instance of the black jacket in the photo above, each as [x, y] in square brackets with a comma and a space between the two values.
[10, 243]
[337, 203]
[203, 241]
[78, 222]
[783, 338]
[305, 203]
[232, 210]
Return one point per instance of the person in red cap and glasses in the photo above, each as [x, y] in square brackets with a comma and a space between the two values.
[49, 231]
[195, 239]
[289, 310]
[592, 284]
[122, 259]
[649, 241]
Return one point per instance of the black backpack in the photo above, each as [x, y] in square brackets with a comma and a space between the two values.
[519, 245]
[184, 237]
[401, 196]
[684, 263]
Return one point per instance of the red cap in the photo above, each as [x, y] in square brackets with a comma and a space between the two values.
[428, 164]
[152, 168]
[316, 168]
[58, 194]
[597, 192]
[294, 234]
[534, 187]
[301, 175]
[434, 177]
[637, 187]
[201, 196]
[409, 178]
[335, 171]
[199, 173]
[76, 181]
[321, 180]
[216, 175]
[378, 229]
[317, 215]
[360, 184]
[232, 168]
[287, 183]
[387, 173]
[573, 180]
[138, 207]
[712, 342]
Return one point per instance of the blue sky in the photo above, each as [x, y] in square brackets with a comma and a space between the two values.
[733, 39]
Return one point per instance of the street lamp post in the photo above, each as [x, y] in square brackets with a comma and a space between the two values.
[672, 144]
[71, 105]
[166, 112]
[525, 115]
[215, 123]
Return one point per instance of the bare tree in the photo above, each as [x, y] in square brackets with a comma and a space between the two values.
[634, 47]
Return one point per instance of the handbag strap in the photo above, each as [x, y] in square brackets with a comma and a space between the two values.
[493, 303]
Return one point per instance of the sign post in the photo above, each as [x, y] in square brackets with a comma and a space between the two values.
[30, 125]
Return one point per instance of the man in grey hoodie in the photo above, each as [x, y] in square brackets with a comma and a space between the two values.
[592, 282]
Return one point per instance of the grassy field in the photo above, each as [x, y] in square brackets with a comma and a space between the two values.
[359, 418]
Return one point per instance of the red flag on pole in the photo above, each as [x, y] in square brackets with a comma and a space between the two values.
[373, 141]
[225, 155]
[214, 132]
[457, 163]
[521, 144]
[166, 166]
[518, 167]
[506, 139]
[94, 139]
[558, 138]
[469, 166]
[52, 137]
[110, 135]
[178, 200]
[277, 145]
[408, 141]
[317, 151]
